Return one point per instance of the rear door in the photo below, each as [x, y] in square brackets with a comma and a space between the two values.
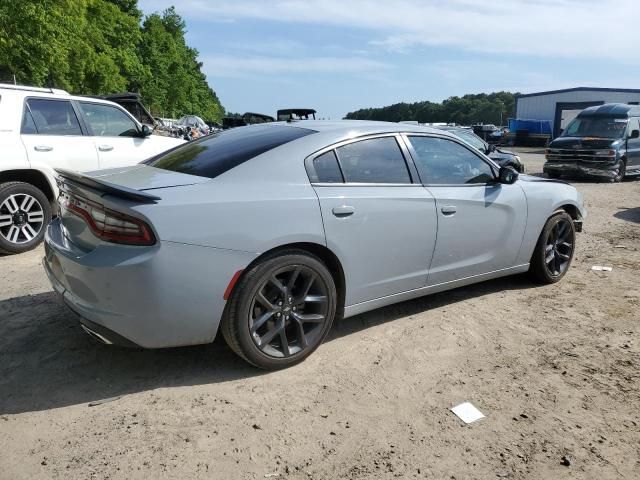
[480, 222]
[116, 136]
[52, 135]
[378, 219]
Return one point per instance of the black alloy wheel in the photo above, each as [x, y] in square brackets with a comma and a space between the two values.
[554, 251]
[281, 310]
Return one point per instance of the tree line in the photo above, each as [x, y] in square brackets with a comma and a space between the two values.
[96, 47]
[470, 109]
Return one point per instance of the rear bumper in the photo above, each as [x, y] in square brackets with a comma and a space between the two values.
[167, 295]
[590, 169]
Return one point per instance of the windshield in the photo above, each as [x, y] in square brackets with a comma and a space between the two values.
[596, 127]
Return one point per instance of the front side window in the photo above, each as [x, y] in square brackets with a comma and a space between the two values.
[216, 154]
[634, 124]
[441, 161]
[108, 121]
[50, 117]
[473, 140]
[376, 160]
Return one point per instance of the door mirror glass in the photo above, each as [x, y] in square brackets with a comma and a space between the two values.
[146, 131]
[634, 134]
[507, 175]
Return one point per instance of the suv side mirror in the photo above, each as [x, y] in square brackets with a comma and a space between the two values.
[491, 148]
[146, 131]
[634, 134]
[507, 175]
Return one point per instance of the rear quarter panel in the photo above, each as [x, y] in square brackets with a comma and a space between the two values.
[259, 205]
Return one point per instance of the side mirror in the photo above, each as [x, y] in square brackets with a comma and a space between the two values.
[146, 131]
[507, 175]
[634, 134]
[491, 148]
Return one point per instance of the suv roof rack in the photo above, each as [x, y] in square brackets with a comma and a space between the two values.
[9, 86]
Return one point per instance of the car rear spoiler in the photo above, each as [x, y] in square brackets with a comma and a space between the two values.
[67, 176]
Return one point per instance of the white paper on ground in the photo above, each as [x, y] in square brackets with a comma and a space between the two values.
[467, 412]
[600, 268]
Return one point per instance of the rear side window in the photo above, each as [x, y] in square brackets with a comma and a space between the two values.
[376, 160]
[50, 117]
[216, 154]
[326, 168]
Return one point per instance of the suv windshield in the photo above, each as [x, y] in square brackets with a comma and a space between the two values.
[215, 154]
[600, 127]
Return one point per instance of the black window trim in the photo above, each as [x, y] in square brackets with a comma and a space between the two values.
[79, 117]
[495, 169]
[116, 106]
[414, 178]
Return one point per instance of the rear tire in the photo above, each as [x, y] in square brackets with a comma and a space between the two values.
[553, 254]
[25, 212]
[281, 310]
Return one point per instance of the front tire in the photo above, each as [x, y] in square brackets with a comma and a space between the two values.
[553, 254]
[621, 171]
[281, 310]
[25, 213]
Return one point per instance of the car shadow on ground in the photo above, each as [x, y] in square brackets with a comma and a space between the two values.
[47, 361]
[629, 214]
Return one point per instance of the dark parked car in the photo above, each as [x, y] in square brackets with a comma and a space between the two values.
[602, 141]
[248, 118]
[504, 158]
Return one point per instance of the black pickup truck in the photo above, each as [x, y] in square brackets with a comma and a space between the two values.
[602, 141]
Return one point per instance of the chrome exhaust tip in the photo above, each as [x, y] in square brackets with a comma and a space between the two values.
[96, 335]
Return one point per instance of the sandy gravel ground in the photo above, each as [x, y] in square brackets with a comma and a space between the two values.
[555, 369]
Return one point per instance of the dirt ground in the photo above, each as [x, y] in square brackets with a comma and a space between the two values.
[555, 369]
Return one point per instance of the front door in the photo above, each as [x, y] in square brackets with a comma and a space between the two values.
[633, 147]
[52, 136]
[381, 225]
[480, 222]
[116, 136]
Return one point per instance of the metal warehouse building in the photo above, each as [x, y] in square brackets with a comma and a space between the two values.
[559, 107]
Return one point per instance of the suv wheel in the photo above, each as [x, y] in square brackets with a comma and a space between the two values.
[25, 212]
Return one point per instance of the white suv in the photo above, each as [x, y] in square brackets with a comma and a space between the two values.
[42, 129]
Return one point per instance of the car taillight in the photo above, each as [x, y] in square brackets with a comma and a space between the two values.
[108, 225]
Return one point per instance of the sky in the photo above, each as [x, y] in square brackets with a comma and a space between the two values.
[341, 55]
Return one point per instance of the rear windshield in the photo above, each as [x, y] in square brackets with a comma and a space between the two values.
[215, 154]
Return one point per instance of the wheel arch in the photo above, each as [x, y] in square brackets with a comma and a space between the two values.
[330, 259]
[33, 177]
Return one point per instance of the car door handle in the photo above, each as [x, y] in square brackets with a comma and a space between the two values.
[343, 211]
[42, 148]
[448, 210]
[105, 148]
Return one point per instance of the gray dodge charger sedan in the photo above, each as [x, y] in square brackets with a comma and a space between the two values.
[269, 232]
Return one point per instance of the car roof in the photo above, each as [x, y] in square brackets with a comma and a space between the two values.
[330, 132]
[357, 127]
[611, 109]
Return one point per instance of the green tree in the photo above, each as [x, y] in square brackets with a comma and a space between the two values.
[465, 110]
[100, 47]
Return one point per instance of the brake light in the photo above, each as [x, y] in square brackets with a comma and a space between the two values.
[108, 225]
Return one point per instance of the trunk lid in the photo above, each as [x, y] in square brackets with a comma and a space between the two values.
[117, 189]
[143, 177]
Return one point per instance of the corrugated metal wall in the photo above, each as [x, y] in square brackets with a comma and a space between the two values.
[543, 107]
